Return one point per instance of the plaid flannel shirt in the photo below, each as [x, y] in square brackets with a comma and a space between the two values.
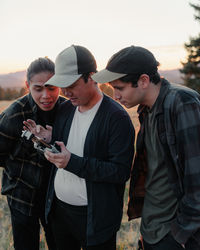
[24, 170]
[179, 132]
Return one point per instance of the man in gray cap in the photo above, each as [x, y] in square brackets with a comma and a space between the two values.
[96, 137]
[165, 179]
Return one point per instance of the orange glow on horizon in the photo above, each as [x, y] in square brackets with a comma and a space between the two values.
[170, 57]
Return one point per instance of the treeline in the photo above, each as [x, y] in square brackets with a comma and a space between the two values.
[11, 93]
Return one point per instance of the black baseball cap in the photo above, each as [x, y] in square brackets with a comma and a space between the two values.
[131, 60]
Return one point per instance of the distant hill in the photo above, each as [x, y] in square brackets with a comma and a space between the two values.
[173, 76]
[17, 79]
[13, 80]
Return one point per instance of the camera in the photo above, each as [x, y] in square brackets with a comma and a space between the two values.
[38, 143]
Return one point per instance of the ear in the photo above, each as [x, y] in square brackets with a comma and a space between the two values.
[27, 85]
[144, 81]
[90, 78]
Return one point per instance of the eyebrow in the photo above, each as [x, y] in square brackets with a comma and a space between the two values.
[49, 85]
[42, 86]
[118, 87]
[37, 85]
[73, 85]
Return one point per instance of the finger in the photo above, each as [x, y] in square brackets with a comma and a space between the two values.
[47, 154]
[31, 123]
[50, 158]
[50, 155]
[49, 128]
[38, 128]
[25, 128]
[26, 124]
[62, 145]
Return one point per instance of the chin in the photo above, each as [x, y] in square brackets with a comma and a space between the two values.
[126, 105]
[75, 103]
[47, 108]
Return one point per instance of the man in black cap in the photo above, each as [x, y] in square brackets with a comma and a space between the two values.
[165, 179]
[96, 137]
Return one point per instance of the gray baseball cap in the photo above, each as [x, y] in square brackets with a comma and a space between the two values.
[70, 64]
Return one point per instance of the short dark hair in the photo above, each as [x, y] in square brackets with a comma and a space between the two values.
[133, 78]
[42, 64]
[85, 76]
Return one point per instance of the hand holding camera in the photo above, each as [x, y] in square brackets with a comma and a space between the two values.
[38, 130]
[40, 138]
[38, 143]
[39, 135]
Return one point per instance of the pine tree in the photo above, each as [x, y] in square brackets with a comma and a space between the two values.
[191, 68]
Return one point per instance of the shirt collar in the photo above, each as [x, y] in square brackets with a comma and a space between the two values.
[142, 109]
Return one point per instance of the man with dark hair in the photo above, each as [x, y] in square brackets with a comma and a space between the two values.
[26, 173]
[96, 137]
[165, 179]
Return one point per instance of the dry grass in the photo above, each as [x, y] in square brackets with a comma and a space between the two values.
[127, 236]
[4, 105]
[134, 117]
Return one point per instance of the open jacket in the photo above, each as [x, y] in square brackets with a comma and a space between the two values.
[106, 165]
[25, 171]
[179, 132]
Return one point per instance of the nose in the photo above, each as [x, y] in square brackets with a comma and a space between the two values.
[67, 92]
[46, 93]
[117, 95]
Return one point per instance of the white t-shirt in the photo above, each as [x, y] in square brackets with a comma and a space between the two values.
[69, 187]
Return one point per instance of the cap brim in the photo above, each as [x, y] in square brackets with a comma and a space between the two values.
[105, 75]
[62, 81]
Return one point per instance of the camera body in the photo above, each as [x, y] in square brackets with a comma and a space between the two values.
[38, 143]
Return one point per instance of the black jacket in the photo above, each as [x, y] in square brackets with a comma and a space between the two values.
[106, 164]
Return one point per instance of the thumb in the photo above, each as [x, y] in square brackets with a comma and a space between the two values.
[62, 145]
[49, 128]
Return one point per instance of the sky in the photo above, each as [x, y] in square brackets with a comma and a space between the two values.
[35, 28]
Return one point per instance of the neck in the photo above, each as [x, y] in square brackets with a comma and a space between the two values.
[152, 96]
[96, 97]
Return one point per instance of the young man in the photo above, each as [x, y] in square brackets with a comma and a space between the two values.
[96, 139]
[165, 180]
[26, 173]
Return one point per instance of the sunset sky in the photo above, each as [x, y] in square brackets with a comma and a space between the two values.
[33, 28]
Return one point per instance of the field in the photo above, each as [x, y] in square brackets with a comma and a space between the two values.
[127, 236]
[4, 104]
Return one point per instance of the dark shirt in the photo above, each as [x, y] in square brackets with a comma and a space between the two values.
[160, 203]
[179, 132]
[26, 172]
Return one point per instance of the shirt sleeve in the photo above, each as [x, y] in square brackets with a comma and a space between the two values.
[187, 127]
[8, 136]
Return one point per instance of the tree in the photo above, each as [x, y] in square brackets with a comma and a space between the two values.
[23, 91]
[1, 93]
[191, 68]
[12, 93]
